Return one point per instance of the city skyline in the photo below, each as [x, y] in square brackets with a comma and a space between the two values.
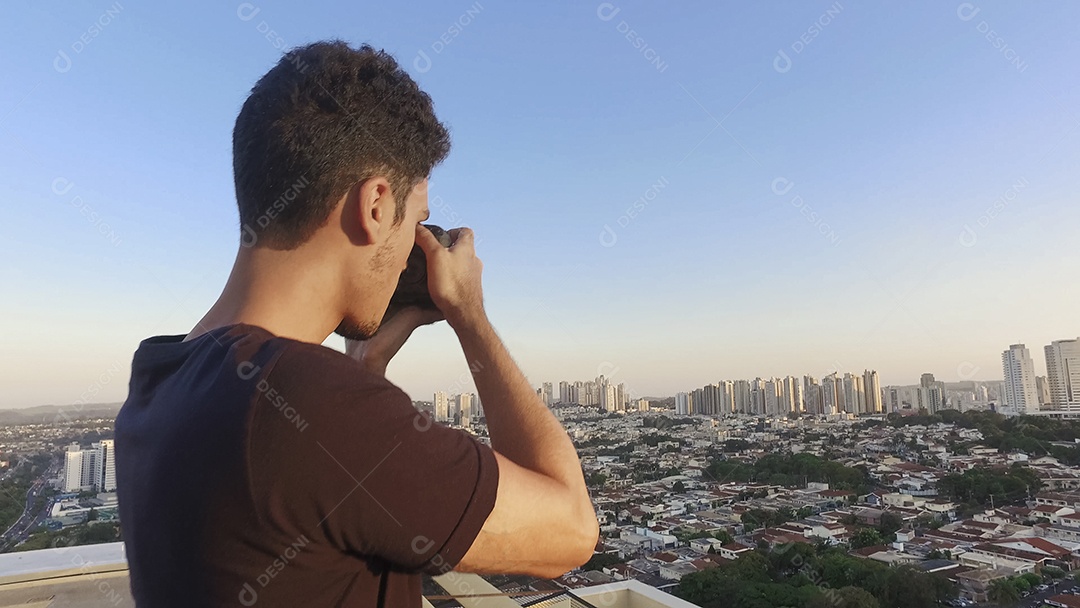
[678, 194]
[1021, 390]
[1060, 382]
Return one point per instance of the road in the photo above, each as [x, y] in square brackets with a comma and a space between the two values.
[1035, 600]
[29, 520]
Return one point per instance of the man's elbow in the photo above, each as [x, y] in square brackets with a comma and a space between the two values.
[577, 546]
[581, 545]
[590, 537]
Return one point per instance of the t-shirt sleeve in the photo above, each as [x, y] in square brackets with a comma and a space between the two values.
[341, 455]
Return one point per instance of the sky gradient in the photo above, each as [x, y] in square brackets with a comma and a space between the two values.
[670, 197]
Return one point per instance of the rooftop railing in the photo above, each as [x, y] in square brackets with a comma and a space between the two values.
[96, 576]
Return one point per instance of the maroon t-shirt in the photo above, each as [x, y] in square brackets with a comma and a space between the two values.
[258, 470]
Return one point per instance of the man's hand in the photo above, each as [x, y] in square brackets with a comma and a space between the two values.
[376, 352]
[453, 276]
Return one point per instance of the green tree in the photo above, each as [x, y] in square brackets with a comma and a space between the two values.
[600, 561]
[1052, 572]
[866, 537]
[596, 480]
[1003, 591]
[1021, 584]
[845, 597]
[889, 524]
[909, 588]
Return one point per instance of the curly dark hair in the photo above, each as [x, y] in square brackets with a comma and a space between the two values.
[324, 118]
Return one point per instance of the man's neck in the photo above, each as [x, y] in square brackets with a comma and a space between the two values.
[275, 291]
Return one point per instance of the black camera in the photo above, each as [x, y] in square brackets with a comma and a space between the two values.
[412, 288]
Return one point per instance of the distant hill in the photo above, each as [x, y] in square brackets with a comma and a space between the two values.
[50, 413]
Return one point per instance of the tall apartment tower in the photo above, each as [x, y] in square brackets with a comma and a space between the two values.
[740, 390]
[465, 406]
[727, 397]
[441, 404]
[1063, 373]
[1042, 390]
[682, 404]
[854, 394]
[790, 395]
[564, 392]
[108, 466]
[90, 469]
[609, 398]
[812, 395]
[935, 393]
[1019, 371]
[830, 394]
[73, 468]
[872, 385]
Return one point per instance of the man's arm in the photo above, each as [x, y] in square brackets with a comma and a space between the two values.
[543, 522]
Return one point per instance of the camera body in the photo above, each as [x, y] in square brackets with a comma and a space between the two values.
[412, 289]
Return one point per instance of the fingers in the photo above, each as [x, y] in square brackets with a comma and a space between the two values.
[411, 317]
[416, 315]
[428, 316]
[463, 236]
[426, 240]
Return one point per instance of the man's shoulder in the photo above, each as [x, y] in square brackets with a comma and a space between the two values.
[322, 370]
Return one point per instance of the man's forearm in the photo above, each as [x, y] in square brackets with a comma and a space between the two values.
[521, 426]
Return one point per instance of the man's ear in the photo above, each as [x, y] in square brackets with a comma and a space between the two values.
[375, 208]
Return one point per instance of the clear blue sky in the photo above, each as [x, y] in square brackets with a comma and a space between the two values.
[895, 124]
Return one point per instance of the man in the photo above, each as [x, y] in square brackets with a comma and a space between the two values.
[255, 465]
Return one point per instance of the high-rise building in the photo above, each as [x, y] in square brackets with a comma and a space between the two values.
[548, 396]
[935, 397]
[831, 390]
[91, 469]
[741, 393]
[108, 466]
[465, 408]
[812, 396]
[873, 392]
[853, 393]
[1019, 371]
[1042, 391]
[441, 404]
[564, 392]
[1063, 373]
[589, 393]
[798, 396]
[643, 405]
[682, 404]
[787, 395]
[708, 400]
[771, 396]
[758, 389]
[892, 398]
[727, 396]
[934, 393]
[73, 468]
[608, 398]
